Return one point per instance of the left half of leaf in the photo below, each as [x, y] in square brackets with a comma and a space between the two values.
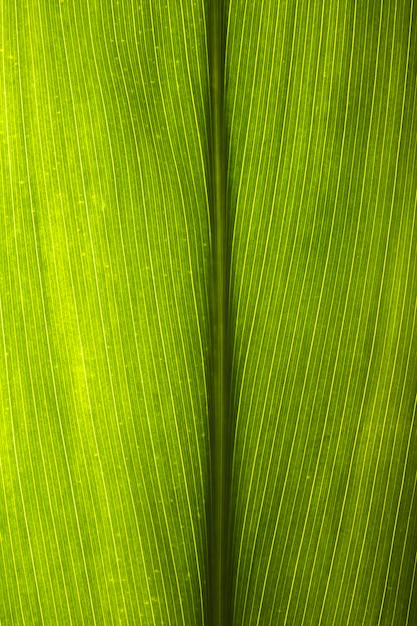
[104, 246]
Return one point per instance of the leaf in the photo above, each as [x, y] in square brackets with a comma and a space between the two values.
[107, 354]
[323, 177]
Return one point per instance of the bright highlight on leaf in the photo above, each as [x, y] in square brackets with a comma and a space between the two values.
[106, 321]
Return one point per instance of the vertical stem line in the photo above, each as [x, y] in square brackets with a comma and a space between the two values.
[219, 588]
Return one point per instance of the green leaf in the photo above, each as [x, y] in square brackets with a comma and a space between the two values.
[110, 412]
[323, 177]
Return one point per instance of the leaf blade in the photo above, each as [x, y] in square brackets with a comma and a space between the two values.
[324, 200]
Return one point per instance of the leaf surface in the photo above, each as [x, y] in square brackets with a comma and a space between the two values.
[323, 181]
[105, 356]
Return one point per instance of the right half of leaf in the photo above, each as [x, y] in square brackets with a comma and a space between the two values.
[322, 118]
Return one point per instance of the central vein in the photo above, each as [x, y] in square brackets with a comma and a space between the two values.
[221, 427]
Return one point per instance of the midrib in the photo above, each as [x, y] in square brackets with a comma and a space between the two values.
[219, 589]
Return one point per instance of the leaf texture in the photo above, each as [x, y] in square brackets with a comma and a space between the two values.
[323, 179]
[105, 254]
